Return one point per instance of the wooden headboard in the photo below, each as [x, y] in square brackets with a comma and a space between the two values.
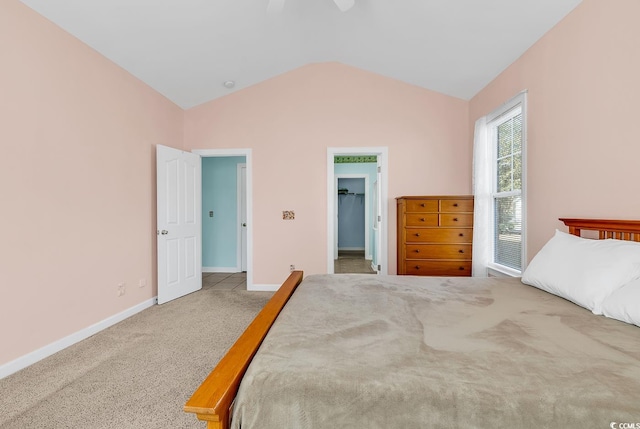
[619, 229]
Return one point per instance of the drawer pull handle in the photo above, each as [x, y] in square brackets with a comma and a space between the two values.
[455, 204]
[421, 219]
[417, 250]
[422, 205]
[417, 234]
[455, 219]
[461, 268]
[461, 235]
[417, 267]
[460, 251]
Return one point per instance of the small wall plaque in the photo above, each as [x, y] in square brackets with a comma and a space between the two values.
[288, 215]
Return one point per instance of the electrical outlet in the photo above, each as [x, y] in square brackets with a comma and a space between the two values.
[292, 267]
[142, 283]
[122, 289]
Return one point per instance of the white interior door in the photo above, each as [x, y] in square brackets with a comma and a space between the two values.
[179, 217]
[377, 220]
[336, 220]
[242, 198]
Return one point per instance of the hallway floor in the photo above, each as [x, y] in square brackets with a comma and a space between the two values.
[352, 261]
[224, 281]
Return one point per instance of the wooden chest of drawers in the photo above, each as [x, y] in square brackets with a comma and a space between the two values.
[435, 235]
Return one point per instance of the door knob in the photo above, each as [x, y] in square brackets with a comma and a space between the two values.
[244, 224]
[164, 232]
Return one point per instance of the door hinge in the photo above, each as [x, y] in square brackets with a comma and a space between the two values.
[379, 169]
[379, 218]
[379, 267]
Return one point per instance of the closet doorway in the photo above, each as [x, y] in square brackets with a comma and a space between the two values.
[368, 165]
[354, 214]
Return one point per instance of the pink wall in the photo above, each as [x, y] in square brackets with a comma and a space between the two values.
[77, 182]
[583, 92]
[78, 177]
[289, 121]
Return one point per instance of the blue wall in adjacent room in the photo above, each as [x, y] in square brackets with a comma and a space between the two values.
[219, 193]
[351, 214]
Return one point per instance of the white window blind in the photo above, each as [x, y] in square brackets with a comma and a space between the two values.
[507, 138]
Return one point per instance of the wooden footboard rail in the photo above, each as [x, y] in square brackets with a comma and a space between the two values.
[213, 400]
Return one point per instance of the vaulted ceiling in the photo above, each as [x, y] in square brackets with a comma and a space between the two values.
[187, 49]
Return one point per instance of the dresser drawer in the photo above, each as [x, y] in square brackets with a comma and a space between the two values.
[456, 219]
[456, 205]
[422, 219]
[422, 206]
[438, 268]
[438, 251]
[439, 235]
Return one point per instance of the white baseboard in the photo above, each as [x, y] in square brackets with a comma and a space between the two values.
[221, 269]
[350, 248]
[263, 288]
[46, 351]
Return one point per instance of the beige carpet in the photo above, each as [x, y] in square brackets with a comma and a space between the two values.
[136, 374]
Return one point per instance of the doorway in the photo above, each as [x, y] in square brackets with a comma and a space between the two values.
[374, 197]
[354, 214]
[231, 217]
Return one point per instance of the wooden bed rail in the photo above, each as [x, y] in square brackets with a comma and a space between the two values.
[212, 401]
[619, 229]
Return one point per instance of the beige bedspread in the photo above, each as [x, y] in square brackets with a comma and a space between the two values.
[365, 351]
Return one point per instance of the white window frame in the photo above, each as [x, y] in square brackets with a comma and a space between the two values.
[506, 111]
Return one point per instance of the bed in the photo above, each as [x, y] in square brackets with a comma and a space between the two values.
[362, 351]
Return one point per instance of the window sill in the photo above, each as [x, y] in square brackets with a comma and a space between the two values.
[502, 271]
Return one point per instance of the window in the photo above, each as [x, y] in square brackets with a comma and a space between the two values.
[506, 137]
[499, 189]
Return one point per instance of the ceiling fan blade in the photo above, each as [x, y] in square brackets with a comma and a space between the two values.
[344, 5]
[275, 6]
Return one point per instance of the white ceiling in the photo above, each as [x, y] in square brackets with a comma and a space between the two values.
[186, 49]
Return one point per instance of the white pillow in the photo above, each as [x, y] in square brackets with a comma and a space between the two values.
[583, 271]
[624, 303]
